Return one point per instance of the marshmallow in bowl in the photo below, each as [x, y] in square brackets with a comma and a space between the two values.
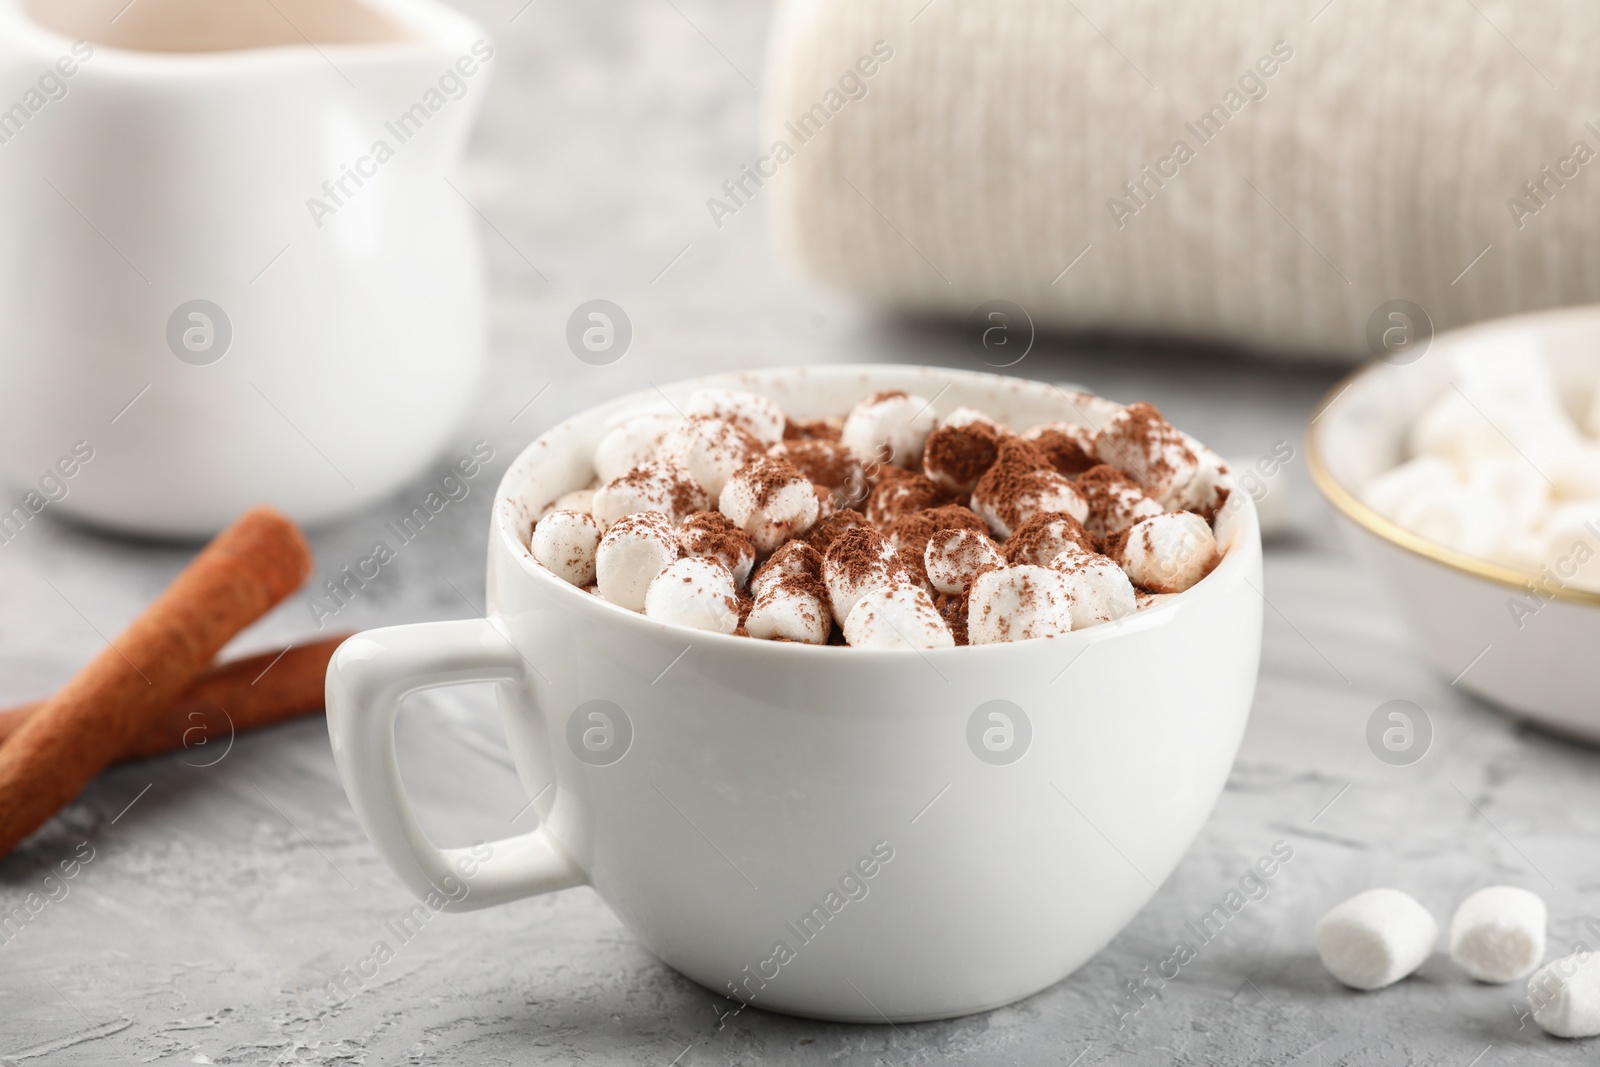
[710, 449]
[713, 535]
[1169, 553]
[827, 464]
[1068, 446]
[791, 607]
[1020, 484]
[771, 501]
[889, 427]
[860, 560]
[1098, 590]
[696, 592]
[1044, 537]
[662, 487]
[793, 559]
[633, 551]
[896, 616]
[899, 495]
[1115, 501]
[1143, 444]
[960, 450]
[1016, 604]
[565, 543]
[756, 415]
[630, 443]
[579, 500]
[954, 557]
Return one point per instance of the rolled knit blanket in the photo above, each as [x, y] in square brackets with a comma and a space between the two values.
[1312, 179]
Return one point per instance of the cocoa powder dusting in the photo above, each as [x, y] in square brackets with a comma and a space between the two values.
[960, 454]
[1065, 453]
[953, 609]
[1039, 540]
[822, 535]
[812, 429]
[713, 534]
[913, 531]
[826, 463]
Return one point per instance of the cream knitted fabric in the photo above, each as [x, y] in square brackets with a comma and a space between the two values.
[1332, 160]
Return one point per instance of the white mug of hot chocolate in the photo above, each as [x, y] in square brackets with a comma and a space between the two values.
[857, 834]
[235, 264]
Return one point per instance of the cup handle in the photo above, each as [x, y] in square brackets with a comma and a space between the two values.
[367, 678]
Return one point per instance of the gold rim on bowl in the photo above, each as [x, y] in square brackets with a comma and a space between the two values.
[1362, 515]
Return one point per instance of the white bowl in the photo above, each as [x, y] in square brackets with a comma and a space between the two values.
[1541, 665]
[1032, 795]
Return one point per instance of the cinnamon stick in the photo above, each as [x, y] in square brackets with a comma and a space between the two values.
[101, 712]
[244, 694]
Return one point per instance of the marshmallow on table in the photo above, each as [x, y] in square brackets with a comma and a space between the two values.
[713, 535]
[771, 501]
[897, 616]
[710, 449]
[633, 551]
[1098, 590]
[565, 543]
[1142, 444]
[889, 427]
[756, 415]
[629, 444]
[1169, 553]
[696, 592]
[954, 557]
[1375, 938]
[1565, 996]
[1497, 934]
[791, 607]
[860, 560]
[661, 487]
[1016, 604]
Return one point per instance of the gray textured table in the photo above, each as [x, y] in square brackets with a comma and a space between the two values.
[221, 900]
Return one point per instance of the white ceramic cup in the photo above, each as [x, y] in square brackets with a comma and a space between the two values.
[848, 834]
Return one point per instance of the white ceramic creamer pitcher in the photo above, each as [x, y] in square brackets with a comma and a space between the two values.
[235, 263]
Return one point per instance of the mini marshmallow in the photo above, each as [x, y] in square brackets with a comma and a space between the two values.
[1019, 485]
[894, 497]
[1148, 448]
[791, 608]
[1375, 938]
[710, 449]
[662, 487]
[794, 558]
[1044, 537]
[565, 543]
[860, 560]
[1211, 484]
[957, 453]
[897, 616]
[1169, 553]
[771, 501]
[1497, 934]
[713, 535]
[756, 415]
[828, 464]
[634, 550]
[696, 592]
[630, 444]
[1114, 501]
[1016, 604]
[579, 500]
[954, 557]
[1519, 489]
[1390, 492]
[1565, 996]
[965, 416]
[889, 427]
[1068, 446]
[1457, 517]
[1098, 589]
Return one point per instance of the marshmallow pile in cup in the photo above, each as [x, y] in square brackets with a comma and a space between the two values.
[888, 527]
[1499, 470]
